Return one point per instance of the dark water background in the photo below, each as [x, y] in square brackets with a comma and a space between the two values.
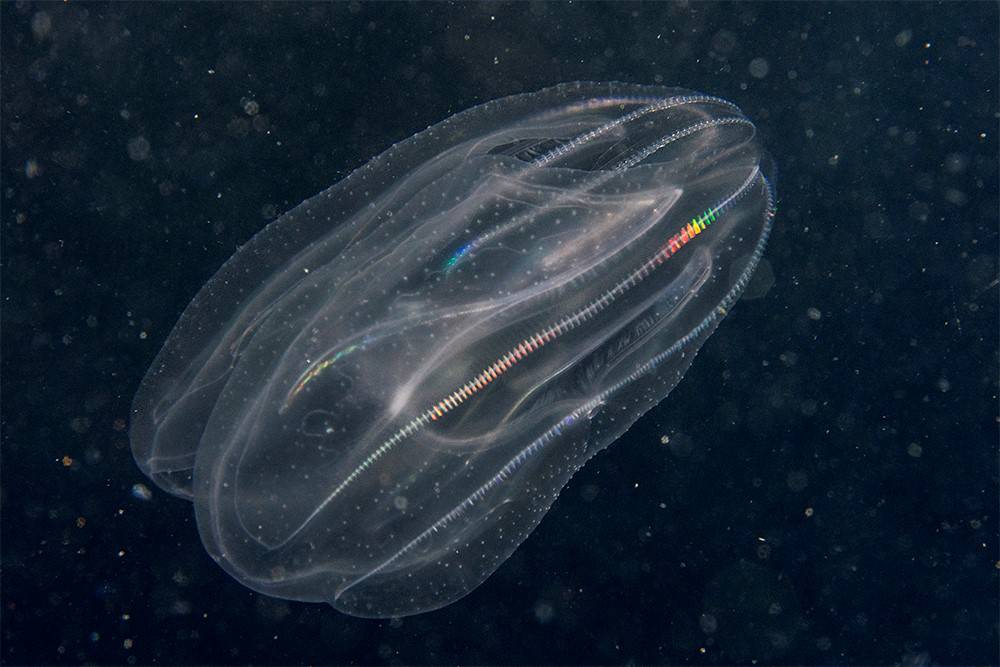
[828, 494]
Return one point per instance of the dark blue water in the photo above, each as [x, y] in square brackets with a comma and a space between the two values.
[827, 493]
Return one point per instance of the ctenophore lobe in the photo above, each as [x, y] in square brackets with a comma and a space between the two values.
[377, 399]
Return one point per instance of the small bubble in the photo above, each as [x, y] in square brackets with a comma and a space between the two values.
[80, 425]
[814, 314]
[798, 480]
[400, 502]
[724, 42]
[41, 25]
[141, 492]
[138, 148]
[956, 197]
[915, 450]
[180, 608]
[759, 68]
[543, 612]
[903, 37]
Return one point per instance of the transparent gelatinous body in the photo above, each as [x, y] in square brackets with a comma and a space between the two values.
[382, 393]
